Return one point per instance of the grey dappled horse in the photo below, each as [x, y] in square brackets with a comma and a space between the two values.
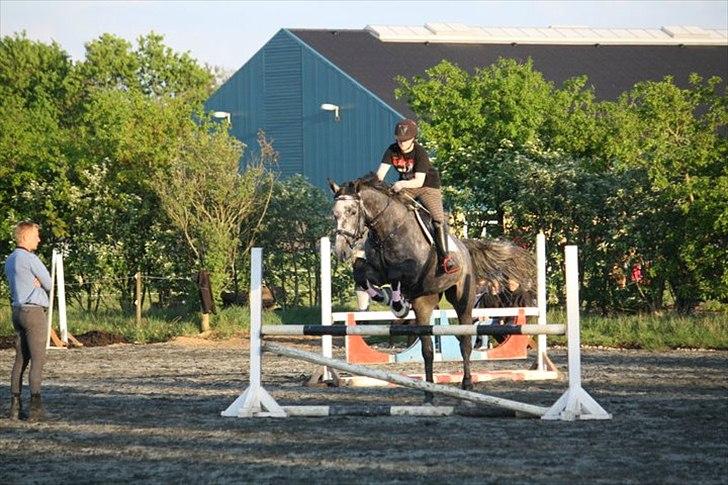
[399, 254]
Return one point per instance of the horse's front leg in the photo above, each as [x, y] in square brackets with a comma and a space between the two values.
[423, 307]
[428, 355]
[368, 280]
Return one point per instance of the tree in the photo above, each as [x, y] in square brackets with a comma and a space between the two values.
[676, 137]
[636, 183]
[298, 217]
[506, 106]
[86, 136]
[209, 199]
[32, 139]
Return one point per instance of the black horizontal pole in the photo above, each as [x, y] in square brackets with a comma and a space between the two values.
[412, 330]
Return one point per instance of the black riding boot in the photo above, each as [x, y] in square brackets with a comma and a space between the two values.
[36, 412]
[445, 262]
[15, 407]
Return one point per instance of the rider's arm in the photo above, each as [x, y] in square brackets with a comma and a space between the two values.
[382, 170]
[417, 182]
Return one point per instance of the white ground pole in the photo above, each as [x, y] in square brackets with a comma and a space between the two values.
[575, 403]
[58, 279]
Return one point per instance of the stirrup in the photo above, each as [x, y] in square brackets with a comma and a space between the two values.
[449, 265]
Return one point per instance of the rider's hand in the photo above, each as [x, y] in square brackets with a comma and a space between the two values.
[36, 282]
[397, 186]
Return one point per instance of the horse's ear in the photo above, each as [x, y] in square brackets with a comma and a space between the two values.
[332, 185]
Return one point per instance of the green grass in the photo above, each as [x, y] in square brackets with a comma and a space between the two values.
[651, 332]
[163, 325]
[707, 330]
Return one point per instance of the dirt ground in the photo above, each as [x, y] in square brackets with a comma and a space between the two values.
[152, 413]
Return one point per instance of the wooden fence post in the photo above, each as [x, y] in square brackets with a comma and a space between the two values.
[138, 301]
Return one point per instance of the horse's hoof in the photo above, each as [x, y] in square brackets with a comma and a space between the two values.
[467, 385]
[429, 399]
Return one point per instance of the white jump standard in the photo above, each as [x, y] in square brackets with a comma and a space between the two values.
[255, 401]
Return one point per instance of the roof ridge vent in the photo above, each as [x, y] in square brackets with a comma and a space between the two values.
[450, 28]
[454, 32]
[685, 32]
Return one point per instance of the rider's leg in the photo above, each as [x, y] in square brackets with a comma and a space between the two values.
[432, 200]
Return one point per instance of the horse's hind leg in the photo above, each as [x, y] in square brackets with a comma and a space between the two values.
[423, 307]
[465, 350]
[462, 301]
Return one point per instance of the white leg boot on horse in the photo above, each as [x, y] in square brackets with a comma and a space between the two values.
[362, 299]
[400, 307]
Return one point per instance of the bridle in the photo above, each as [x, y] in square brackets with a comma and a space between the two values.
[349, 236]
[371, 223]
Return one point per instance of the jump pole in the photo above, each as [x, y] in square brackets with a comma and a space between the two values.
[405, 381]
[513, 348]
[574, 404]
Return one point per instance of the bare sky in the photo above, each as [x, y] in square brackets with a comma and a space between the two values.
[228, 33]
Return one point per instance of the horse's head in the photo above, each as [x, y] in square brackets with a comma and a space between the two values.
[350, 218]
[358, 206]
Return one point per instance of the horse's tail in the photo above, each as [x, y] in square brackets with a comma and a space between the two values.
[506, 273]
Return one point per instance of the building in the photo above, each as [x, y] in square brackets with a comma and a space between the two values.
[326, 97]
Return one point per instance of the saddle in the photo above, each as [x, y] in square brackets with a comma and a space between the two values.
[424, 221]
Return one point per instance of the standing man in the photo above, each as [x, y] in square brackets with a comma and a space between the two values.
[29, 283]
[418, 178]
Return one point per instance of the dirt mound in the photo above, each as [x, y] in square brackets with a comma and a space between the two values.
[96, 338]
[7, 342]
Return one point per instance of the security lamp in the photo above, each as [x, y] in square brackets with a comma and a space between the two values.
[221, 115]
[331, 107]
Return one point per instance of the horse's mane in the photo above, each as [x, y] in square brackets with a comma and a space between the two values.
[371, 181]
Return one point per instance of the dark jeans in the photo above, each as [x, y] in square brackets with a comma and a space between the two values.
[31, 330]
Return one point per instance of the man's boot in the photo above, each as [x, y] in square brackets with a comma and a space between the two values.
[15, 407]
[446, 263]
[36, 412]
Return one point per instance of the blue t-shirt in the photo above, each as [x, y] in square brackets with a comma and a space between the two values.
[22, 268]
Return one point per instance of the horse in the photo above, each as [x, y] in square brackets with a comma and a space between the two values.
[399, 254]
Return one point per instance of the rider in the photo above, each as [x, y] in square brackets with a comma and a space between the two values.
[418, 178]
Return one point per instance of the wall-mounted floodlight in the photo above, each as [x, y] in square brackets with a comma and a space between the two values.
[221, 115]
[331, 107]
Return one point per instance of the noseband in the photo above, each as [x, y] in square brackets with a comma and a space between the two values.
[370, 223]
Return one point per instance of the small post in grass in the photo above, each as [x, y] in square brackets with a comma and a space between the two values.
[138, 300]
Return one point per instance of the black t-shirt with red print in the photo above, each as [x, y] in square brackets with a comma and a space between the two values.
[409, 163]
